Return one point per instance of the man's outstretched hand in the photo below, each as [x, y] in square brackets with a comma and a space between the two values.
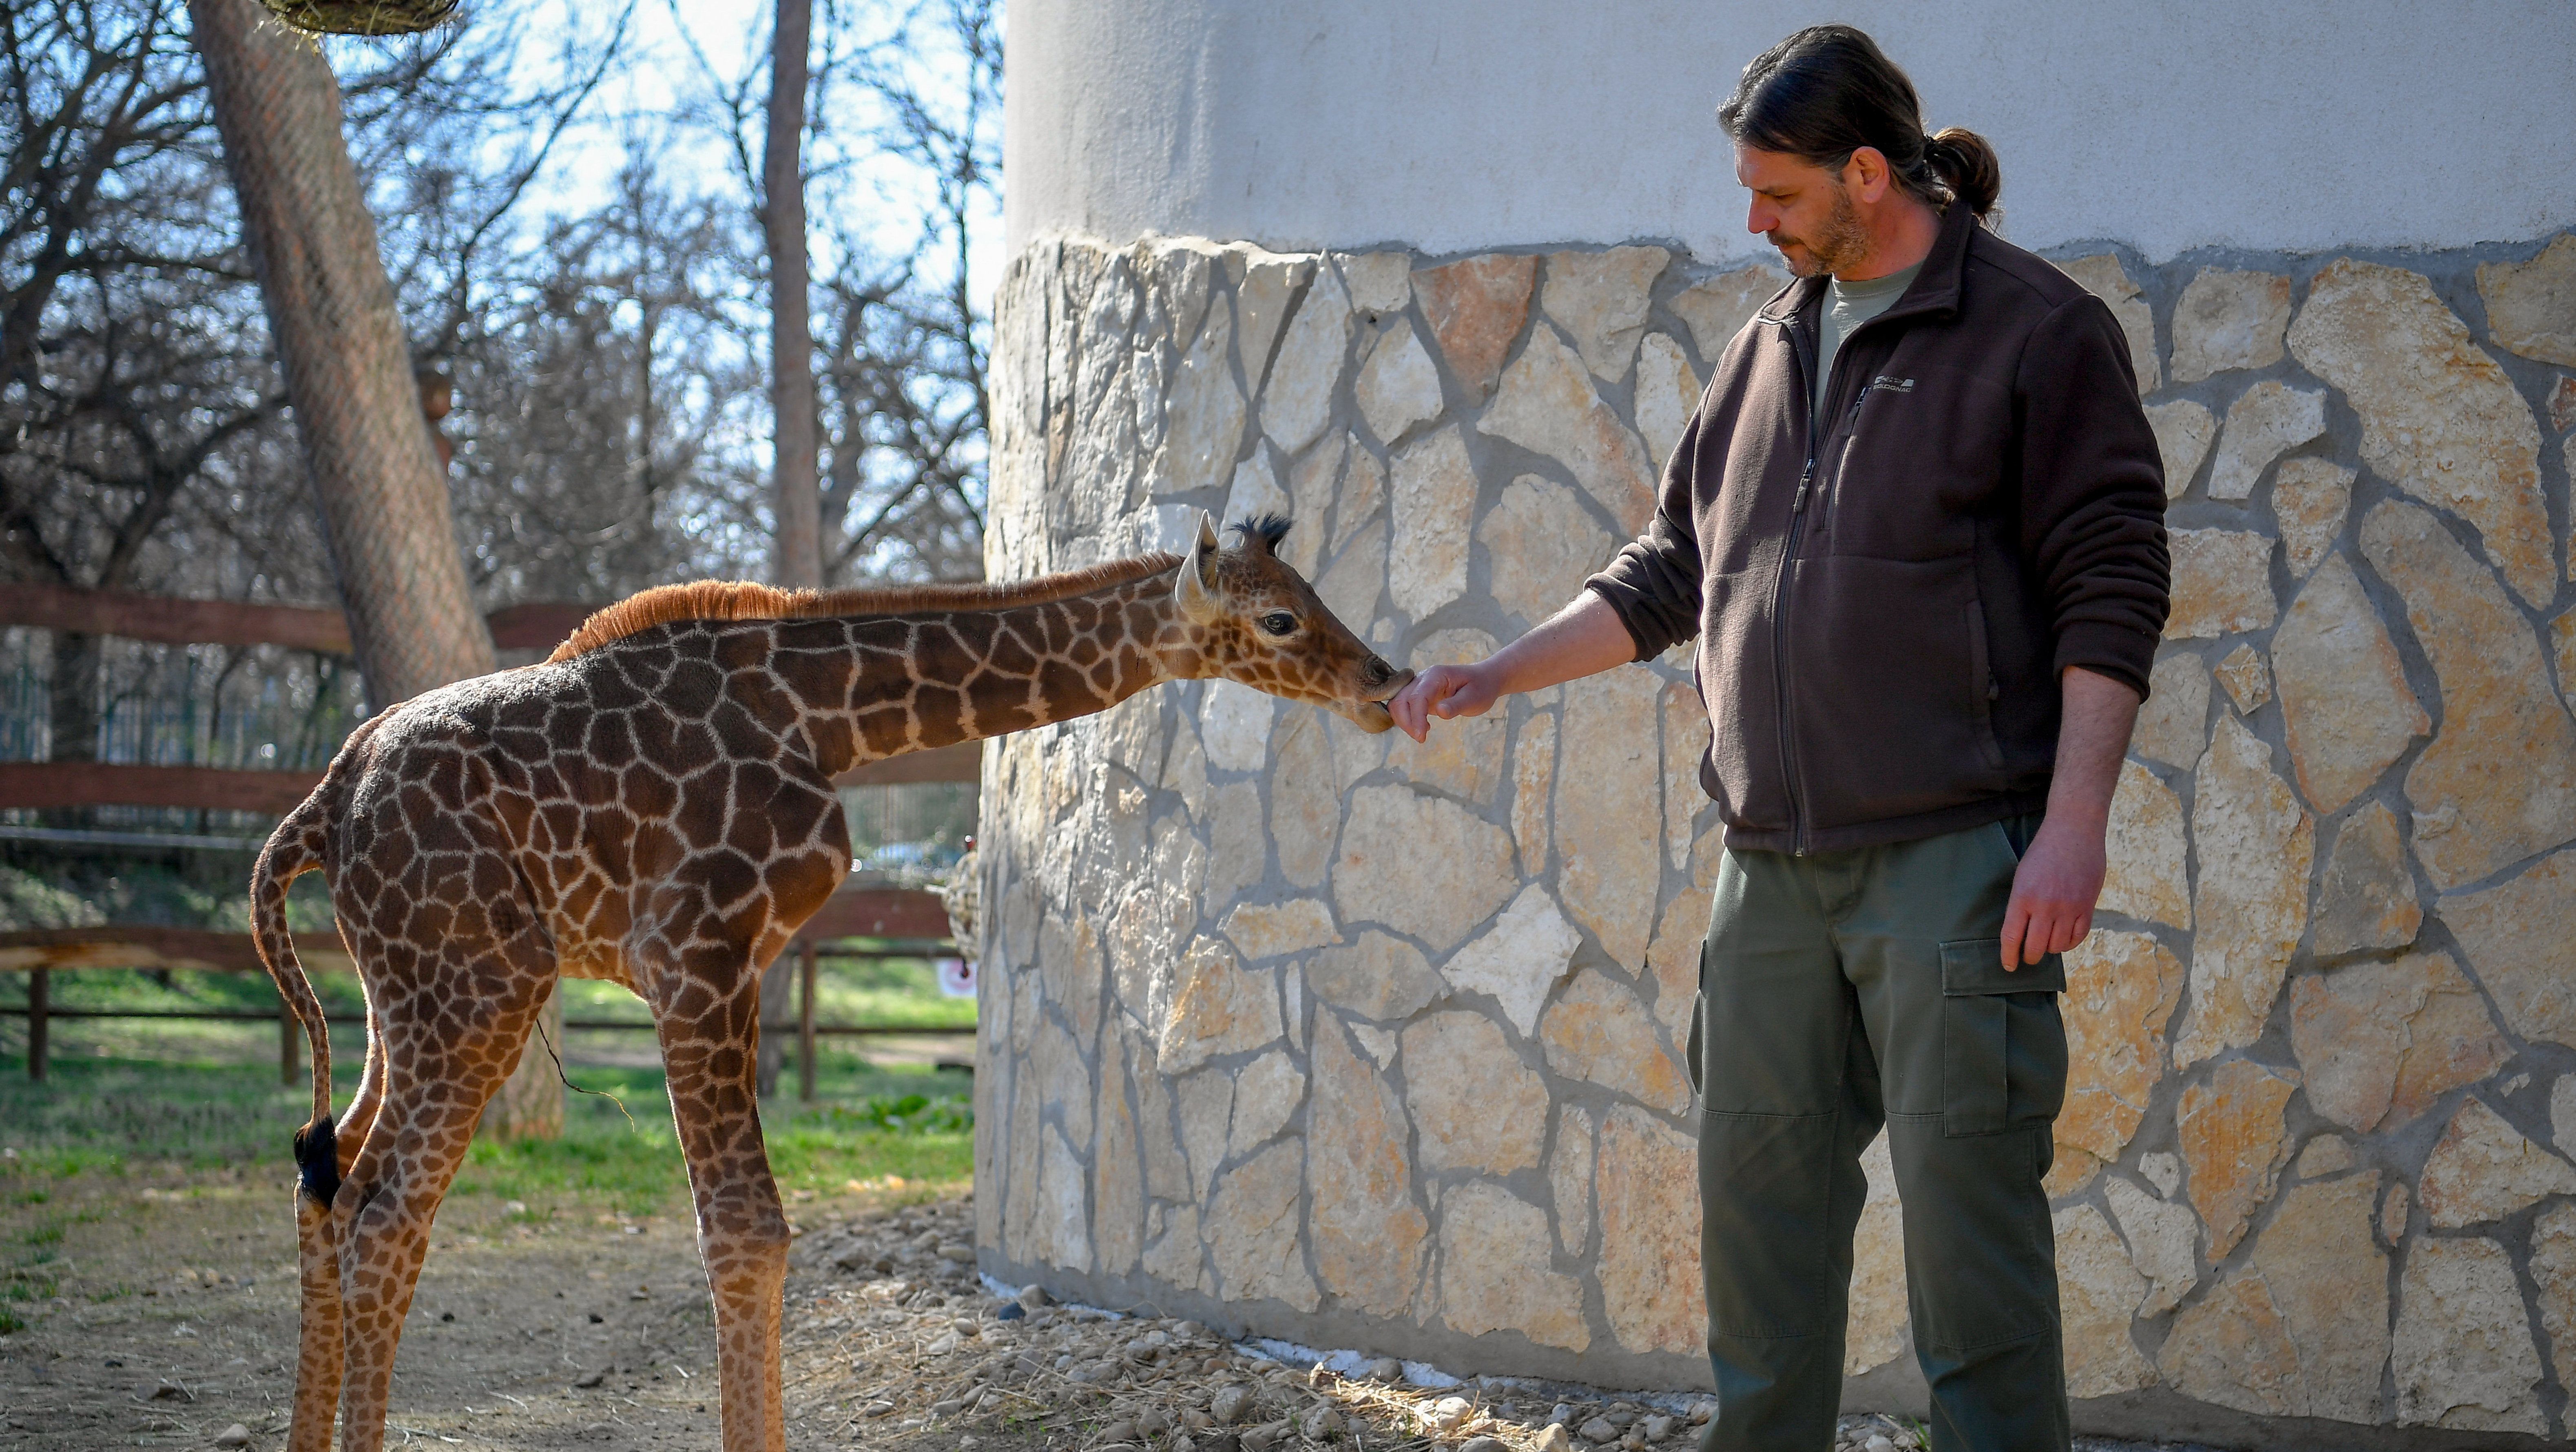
[1446, 692]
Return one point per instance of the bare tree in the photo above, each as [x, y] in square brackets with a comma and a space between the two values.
[347, 362]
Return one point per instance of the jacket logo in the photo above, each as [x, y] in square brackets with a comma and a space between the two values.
[1892, 385]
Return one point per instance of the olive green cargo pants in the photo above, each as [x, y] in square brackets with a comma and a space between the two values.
[1840, 990]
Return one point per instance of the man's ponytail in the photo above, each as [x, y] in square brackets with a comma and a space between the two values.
[1967, 165]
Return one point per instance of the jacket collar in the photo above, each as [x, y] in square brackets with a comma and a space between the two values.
[1936, 288]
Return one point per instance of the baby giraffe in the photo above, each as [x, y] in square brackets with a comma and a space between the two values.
[653, 805]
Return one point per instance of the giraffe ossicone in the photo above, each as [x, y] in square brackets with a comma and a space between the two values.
[653, 806]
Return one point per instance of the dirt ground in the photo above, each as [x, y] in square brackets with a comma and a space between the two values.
[172, 1319]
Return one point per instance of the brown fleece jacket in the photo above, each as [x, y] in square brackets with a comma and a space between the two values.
[1886, 593]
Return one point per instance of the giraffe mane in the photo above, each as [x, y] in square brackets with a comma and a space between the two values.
[743, 600]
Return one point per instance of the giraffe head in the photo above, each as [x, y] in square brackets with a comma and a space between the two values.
[1252, 619]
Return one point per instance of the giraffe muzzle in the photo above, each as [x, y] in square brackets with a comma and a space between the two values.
[1371, 714]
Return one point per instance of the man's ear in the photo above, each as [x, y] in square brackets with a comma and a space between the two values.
[1195, 591]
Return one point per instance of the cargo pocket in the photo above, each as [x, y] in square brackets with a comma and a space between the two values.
[2003, 1045]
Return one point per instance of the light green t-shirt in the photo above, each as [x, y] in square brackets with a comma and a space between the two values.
[1847, 306]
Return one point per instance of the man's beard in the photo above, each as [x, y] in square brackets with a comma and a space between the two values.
[1840, 243]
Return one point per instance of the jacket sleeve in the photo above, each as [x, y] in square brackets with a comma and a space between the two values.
[1654, 580]
[2092, 496]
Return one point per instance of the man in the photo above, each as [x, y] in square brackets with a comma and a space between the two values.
[1917, 527]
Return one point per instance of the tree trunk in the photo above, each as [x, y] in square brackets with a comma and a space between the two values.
[384, 505]
[71, 713]
[376, 474]
[797, 497]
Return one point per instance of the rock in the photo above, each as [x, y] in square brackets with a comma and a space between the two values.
[1598, 1032]
[2227, 320]
[2366, 899]
[1368, 1231]
[2102, 276]
[2183, 430]
[1448, 1412]
[1115, 1434]
[2345, 706]
[1718, 308]
[1667, 392]
[2309, 499]
[1548, 405]
[2250, 899]
[1433, 489]
[1553, 1438]
[1178, 1257]
[1267, 1092]
[1377, 977]
[2498, 784]
[1304, 811]
[1203, 410]
[1273, 930]
[1420, 865]
[2121, 991]
[2173, 727]
[2234, 1145]
[2266, 421]
[2147, 879]
[1649, 1266]
[1386, 1369]
[2562, 640]
[2514, 935]
[2098, 1295]
[1687, 732]
[1541, 543]
[1876, 1305]
[2222, 583]
[1519, 960]
[2463, 1356]
[1600, 299]
[2439, 418]
[2553, 1270]
[1061, 1232]
[2484, 1169]
[2381, 1042]
[1399, 386]
[2531, 306]
[1465, 758]
[1496, 1273]
[1474, 1104]
[1231, 1405]
[1609, 815]
[2161, 1235]
[2327, 1154]
[1117, 1177]
[2302, 1328]
[589, 1379]
[1599, 1430]
[1297, 399]
[2248, 682]
[1251, 1229]
[235, 1435]
[1219, 1007]
[1253, 491]
[1658, 1428]
[1569, 1177]
[1475, 309]
[1533, 775]
[1265, 284]
[1378, 282]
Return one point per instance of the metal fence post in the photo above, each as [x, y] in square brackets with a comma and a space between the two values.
[40, 989]
[805, 1026]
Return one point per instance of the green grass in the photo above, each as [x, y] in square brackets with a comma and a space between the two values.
[116, 1116]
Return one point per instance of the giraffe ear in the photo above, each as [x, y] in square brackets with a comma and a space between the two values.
[1196, 589]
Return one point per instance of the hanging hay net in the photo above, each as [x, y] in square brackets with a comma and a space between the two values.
[363, 17]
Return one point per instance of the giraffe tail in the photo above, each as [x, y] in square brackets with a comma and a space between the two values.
[294, 849]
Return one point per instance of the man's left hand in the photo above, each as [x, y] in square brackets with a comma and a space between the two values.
[2053, 893]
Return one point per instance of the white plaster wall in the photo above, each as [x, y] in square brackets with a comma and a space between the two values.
[1461, 124]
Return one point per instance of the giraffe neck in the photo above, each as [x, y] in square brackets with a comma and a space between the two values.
[926, 681]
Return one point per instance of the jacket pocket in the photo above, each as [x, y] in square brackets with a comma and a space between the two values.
[1887, 689]
[2003, 1045]
[1981, 688]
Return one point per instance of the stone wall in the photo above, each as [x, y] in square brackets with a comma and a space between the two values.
[1338, 1038]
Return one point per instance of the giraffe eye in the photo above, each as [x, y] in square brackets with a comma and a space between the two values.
[1279, 622]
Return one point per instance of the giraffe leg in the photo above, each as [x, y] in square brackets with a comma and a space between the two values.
[711, 1060]
[320, 1354]
[445, 1056]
